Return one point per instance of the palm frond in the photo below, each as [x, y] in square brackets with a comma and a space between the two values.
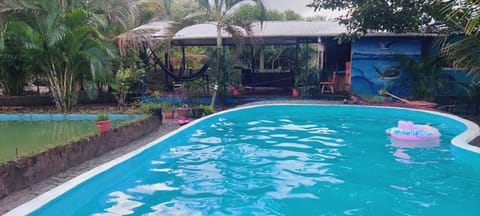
[465, 54]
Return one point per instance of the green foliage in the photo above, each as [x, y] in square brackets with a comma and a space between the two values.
[372, 98]
[62, 42]
[102, 117]
[393, 16]
[219, 10]
[207, 109]
[124, 79]
[15, 68]
[464, 52]
[146, 107]
[425, 78]
[167, 106]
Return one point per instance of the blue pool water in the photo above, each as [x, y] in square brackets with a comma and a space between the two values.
[286, 160]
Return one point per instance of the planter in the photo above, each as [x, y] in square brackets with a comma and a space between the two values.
[182, 113]
[295, 92]
[168, 114]
[103, 126]
[235, 92]
[196, 113]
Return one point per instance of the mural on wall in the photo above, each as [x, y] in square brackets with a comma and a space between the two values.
[374, 61]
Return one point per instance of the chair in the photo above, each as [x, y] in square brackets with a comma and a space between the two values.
[328, 86]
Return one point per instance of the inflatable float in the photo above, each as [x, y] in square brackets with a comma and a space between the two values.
[183, 121]
[407, 130]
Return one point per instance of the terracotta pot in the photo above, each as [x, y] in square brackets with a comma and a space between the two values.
[103, 126]
[182, 113]
[235, 92]
[168, 114]
[294, 92]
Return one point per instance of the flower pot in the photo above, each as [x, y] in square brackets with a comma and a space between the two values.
[103, 126]
[182, 113]
[168, 114]
[294, 92]
[235, 92]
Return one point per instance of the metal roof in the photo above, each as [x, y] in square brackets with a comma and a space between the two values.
[206, 33]
[297, 29]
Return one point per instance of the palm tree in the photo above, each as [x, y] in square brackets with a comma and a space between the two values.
[466, 51]
[220, 10]
[61, 42]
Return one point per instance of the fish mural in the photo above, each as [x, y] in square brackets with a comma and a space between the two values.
[389, 73]
[374, 62]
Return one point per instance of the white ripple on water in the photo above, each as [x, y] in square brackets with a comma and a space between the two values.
[199, 133]
[123, 205]
[207, 140]
[164, 170]
[254, 137]
[285, 136]
[264, 128]
[152, 188]
[295, 127]
[327, 141]
[292, 174]
[155, 162]
[293, 145]
[260, 122]
[328, 153]
[174, 207]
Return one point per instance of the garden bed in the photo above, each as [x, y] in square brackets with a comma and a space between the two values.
[19, 174]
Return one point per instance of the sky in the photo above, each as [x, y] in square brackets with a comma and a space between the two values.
[299, 7]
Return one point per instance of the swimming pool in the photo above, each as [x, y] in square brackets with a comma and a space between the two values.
[280, 159]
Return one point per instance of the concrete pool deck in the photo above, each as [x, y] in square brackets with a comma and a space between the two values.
[10, 202]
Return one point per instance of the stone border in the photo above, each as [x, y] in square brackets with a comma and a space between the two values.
[19, 174]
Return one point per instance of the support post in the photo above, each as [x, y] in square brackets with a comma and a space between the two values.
[307, 54]
[184, 61]
[143, 88]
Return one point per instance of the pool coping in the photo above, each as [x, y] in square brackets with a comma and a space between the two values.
[461, 141]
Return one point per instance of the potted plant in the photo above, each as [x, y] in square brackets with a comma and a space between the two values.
[168, 110]
[235, 89]
[196, 112]
[296, 84]
[103, 122]
[207, 109]
[182, 111]
[153, 108]
[124, 80]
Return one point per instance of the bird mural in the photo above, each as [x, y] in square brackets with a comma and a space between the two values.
[384, 45]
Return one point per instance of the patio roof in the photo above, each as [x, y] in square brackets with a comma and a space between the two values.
[271, 32]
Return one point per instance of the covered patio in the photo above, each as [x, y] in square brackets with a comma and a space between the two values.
[277, 56]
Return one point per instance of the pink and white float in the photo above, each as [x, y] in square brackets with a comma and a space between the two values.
[407, 130]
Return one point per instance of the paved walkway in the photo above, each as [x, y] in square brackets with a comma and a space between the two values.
[10, 202]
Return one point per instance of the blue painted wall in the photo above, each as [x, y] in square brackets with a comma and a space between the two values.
[374, 60]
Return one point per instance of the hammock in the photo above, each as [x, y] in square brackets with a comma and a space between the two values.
[171, 72]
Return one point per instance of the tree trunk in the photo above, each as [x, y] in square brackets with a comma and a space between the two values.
[218, 75]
